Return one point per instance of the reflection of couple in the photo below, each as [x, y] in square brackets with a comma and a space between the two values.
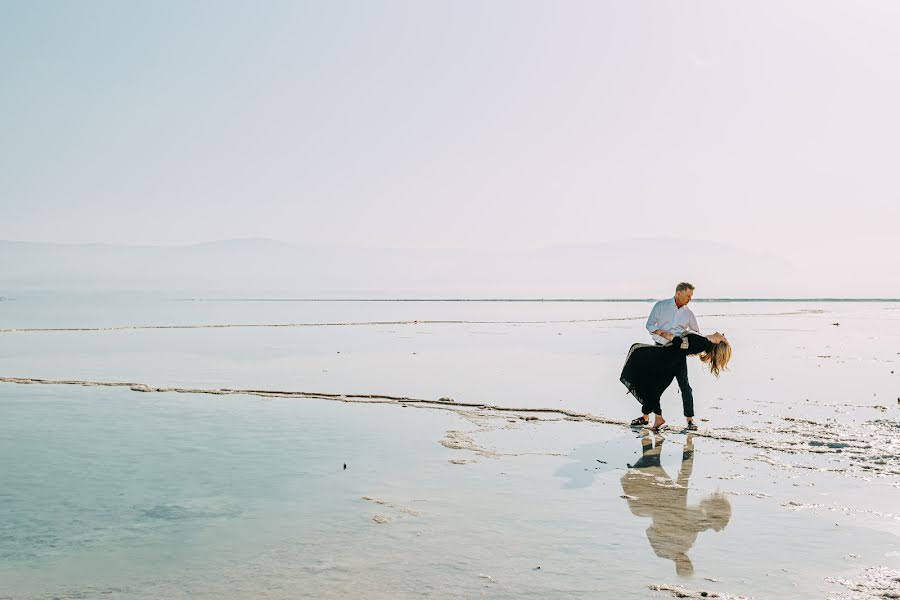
[649, 369]
[652, 493]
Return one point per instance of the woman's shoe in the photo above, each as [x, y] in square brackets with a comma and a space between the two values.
[691, 426]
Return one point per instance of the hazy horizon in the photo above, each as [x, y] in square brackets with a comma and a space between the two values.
[267, 268]
[762, 130]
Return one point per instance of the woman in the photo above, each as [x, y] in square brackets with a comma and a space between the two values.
[649, 370]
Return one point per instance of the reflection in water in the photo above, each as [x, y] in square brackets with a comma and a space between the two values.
[652, 493]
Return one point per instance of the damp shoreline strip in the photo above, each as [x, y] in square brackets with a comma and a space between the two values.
[290, 325]
[368, 323]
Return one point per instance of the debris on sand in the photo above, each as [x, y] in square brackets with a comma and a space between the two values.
[381, 519]
[393, 505]
[682, 592]
[460, 440]
[876, 582]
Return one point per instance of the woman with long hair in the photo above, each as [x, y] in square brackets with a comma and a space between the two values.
[649, 370]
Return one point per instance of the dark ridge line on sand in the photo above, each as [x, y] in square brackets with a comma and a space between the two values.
[366, 323]
[361, 398]
[324, 324]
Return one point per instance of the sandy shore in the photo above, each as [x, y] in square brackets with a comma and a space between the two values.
[499, 468]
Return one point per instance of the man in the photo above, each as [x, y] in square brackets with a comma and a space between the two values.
[669, 319]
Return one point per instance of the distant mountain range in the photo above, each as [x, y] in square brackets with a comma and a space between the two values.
[266, 268]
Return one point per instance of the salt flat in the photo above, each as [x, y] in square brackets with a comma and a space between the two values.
[788, 490]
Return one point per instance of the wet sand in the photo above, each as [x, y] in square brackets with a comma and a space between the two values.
[533, 485]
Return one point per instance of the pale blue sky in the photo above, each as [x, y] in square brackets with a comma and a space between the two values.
[454, 124]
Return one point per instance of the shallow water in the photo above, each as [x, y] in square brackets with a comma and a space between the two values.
[106, 491]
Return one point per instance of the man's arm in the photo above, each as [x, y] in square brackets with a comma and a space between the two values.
[653, 319]
[653, 323]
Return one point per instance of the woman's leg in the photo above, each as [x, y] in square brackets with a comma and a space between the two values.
[657, 409]
[651, 405]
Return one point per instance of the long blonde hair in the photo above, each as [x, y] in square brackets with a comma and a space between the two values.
[717, 357]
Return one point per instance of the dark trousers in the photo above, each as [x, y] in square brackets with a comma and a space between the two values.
[687, 394]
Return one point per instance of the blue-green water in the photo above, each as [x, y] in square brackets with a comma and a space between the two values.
[114, 489]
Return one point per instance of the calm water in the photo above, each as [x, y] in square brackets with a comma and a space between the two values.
[105, 492]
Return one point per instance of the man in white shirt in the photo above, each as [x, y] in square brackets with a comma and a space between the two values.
[669, 319]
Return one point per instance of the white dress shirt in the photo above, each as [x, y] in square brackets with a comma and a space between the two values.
[668, 317]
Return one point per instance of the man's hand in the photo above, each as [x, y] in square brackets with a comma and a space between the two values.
[664, 334]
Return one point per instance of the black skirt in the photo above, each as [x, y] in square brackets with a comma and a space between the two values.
[650, 369]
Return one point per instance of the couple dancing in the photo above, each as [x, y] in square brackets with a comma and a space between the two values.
[650, 368]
